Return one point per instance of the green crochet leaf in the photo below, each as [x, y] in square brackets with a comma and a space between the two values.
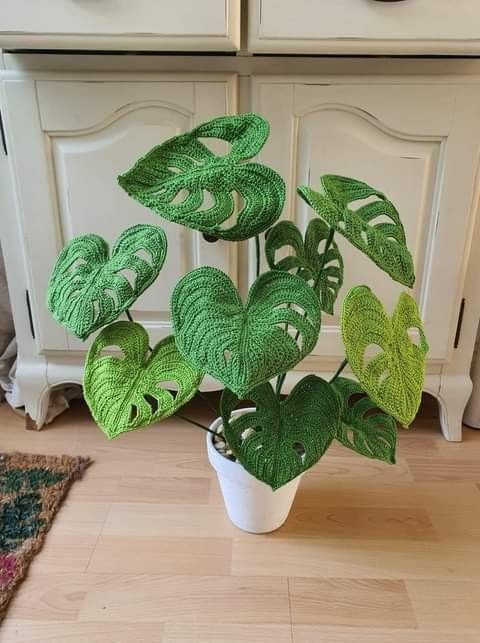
[307, 261]
[393, 378]
[363, 427]
[89, 289]
[244, 345]
[384, 242]
[281, 439]
[183, 181]
[124, 392]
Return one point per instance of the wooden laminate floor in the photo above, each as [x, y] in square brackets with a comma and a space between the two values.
[142, 550]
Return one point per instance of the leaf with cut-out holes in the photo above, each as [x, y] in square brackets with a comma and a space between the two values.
[374, 228]
[282, 438]
[89, 289]
[363, 427]
[129, 390]
[178, 178]
[306, 260]
[393, 378]
[244, 345]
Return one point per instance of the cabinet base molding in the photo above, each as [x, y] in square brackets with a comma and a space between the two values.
[452, 397]
[37, 381]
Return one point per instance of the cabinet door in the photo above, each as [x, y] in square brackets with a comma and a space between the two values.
[418, 143]
[70, 141]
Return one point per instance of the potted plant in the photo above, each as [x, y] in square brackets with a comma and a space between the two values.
[259, 452]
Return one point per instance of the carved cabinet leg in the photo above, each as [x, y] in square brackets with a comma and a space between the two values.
[452, 398]
[34, 387]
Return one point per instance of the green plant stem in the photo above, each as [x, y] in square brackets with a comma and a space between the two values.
[339, 370]
[328, 243]
[257, 252]
[195, 423]
[207, 402]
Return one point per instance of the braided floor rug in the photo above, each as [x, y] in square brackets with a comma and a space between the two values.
[32, 488]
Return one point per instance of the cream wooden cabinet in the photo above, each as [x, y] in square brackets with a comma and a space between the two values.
[73, 123]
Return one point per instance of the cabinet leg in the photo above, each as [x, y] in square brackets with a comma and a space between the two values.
[33, 384]
[452, 398]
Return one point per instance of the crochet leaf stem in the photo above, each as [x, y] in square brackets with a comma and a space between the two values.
[339, 370]
[328, 243]
[207, 402]
[257, 252]
[201, 426]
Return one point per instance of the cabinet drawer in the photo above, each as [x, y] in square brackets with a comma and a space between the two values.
[365, 26]
[210, 25]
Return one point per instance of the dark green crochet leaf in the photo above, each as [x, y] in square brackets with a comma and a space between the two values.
[307, 261]
[363, 427]
[384, 242]
[243, 346]
[89, 289]
[281, 439]
[183, 181]
[393, 378]
[124, 392]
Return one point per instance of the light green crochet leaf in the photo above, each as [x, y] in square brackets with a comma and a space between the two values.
[393, 378]
[384, 242]
[244, 345]
[363, 427]
[281, 439]
[89, 288]
[185, 182]
[307, 261]
[124, 391]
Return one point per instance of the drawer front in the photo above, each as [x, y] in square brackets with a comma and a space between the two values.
[365, 26]
[210, 25]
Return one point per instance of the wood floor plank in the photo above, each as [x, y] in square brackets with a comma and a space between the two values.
[361, 469]
[14, 631]
[226, 633]
[161, 555]
[351, 602]
[375, 523]
[444, 469]
[444, 605]
[398, 494]
[155, 519]
[200, 599]
[167, 490]
[320, 557]
[328, 634]
[52, 597]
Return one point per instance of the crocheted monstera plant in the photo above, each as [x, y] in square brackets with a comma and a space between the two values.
[248, 344]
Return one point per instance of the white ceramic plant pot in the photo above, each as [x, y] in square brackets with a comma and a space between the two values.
[251, 504]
